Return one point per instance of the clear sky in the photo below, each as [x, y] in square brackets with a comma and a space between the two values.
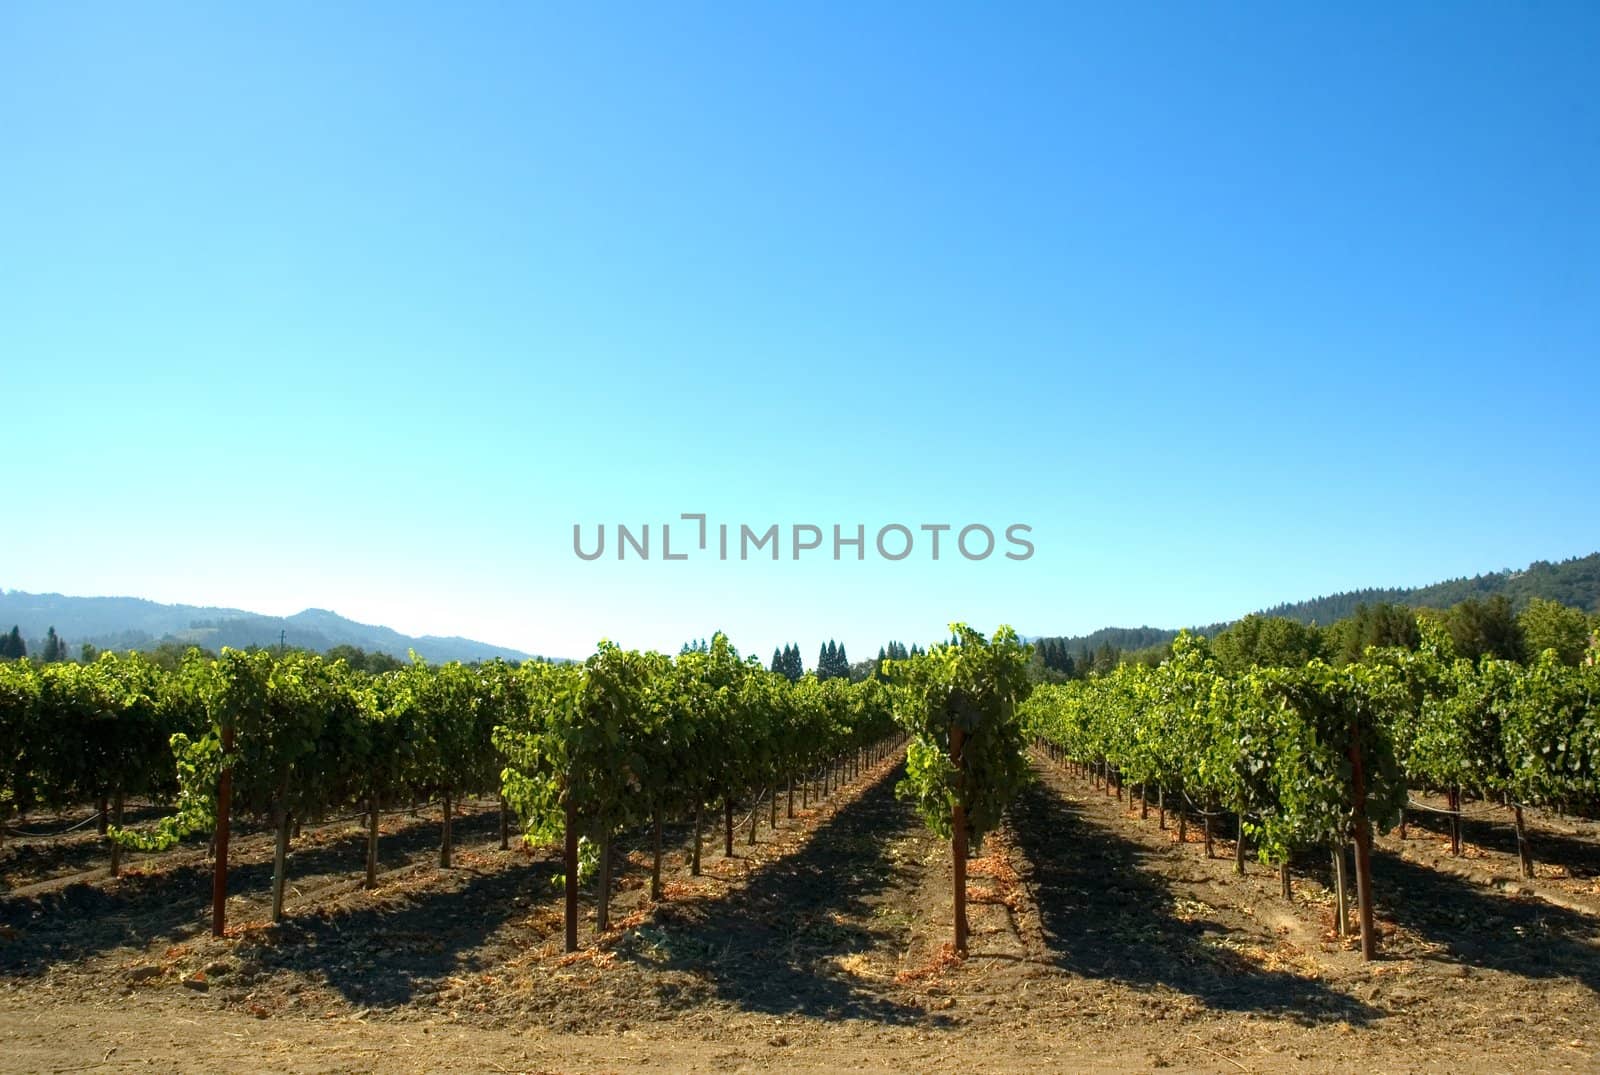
[363, 307]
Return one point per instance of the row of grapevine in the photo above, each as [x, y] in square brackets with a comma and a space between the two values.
[1526, 735]
[624, 739]
[966, 760]
[630, 739]
[1314, 756]
[292, 737]
[73, 733]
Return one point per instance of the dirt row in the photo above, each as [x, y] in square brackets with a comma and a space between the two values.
[1566, 852]
[1099, 943]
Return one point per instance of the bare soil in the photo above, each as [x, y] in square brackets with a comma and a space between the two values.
[1099, 943]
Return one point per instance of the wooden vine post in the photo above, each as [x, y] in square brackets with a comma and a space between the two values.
[958, 840]
[219, 870]
[571, 866]
[372, 843]
[1363, 837]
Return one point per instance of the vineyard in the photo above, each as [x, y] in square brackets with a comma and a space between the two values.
[1313, 758]
[1158, 865]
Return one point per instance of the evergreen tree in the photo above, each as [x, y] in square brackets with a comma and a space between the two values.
[1053, 654]
[1486, 628]
[787, 662]
[1382, 624]
[54, 648]
[12, 647]
[833, 662]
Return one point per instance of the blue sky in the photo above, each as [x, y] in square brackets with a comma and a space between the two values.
[365, 308]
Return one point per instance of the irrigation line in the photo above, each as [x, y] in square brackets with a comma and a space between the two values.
[1202, 812]
[51, 835]
[1411, 804]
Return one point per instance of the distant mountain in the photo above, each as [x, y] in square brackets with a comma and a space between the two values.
[132, 623]
[1574, 582]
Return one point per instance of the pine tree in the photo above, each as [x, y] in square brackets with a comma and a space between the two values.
[787, 662]
[833, 662]
[12, 647]
[53, 648]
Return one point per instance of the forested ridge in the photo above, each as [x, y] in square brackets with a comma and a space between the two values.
[1574, 582]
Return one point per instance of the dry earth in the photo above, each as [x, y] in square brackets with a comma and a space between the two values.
[1100, 943]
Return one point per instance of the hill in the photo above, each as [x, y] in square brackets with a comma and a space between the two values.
[133, 623]
[1574, 582]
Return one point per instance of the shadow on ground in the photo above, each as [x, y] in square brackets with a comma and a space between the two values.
[38, 847]
[1580, 856]
[167, 905]
[385, 956]
[1106, 916]
[773, 944]
[1487, 928]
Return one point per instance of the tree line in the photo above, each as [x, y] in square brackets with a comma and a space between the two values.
[14, 647]
[1478, 627]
